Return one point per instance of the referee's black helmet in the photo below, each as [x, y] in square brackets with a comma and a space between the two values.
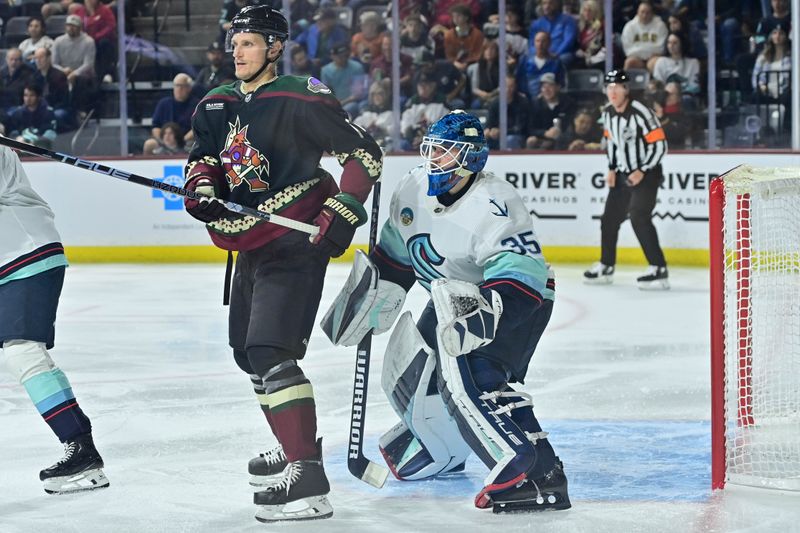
[616, 76]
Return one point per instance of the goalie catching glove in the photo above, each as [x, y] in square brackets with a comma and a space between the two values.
[467, 320]
[337, 221]
[365, 303]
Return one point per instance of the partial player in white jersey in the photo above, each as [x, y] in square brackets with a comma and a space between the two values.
[467, 237]
[32, 265]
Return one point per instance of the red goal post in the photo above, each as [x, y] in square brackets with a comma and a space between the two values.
[754, 245]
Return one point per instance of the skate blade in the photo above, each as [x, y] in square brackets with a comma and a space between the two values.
[88, 480]
[547, 503]
[311, 508]
[265, 481]
[657, 285]
[603, 280]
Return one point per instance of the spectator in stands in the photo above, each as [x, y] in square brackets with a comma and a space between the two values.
[319, 37]
[549, 116]
[37, 39]
[376, 118]
[100, 24]
[55, 89]
[414, 36]
[582, 134]
[531, 68]
[423, 109]
[643, 38]
[780, 16]
[15, 75]
[484, 75]
[301, 64]
[516, 34]
[675, 66]
[696, 46]
[381, 66]
[346, 78]
[74, 51]
[176, 108]
[450, 81]
[561, 28]
[773, 69]
[366, 44]
[442, 15]
[517, 115]
[463, 42]
[74, 54]
[591, 39]
[55, 7]
[34, 121]
[216, 72]
[745, 62]
[675, 125]
[171, 141]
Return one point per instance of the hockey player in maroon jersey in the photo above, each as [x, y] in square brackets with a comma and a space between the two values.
[258, 142]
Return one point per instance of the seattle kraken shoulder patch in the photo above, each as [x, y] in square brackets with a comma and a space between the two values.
[406, 216]
[316, 86]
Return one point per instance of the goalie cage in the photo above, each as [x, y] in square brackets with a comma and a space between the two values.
[754, 225]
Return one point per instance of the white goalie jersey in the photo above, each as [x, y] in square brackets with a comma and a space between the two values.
[486, 234]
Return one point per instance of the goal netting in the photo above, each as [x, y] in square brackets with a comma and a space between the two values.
[755, 280]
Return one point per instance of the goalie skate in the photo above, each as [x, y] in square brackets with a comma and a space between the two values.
[299, 495]
[546, 493]
[81, 468]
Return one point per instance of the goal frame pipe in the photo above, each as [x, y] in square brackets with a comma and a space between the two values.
[717, 293]
[744, 291]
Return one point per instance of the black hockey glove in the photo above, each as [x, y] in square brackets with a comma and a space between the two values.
[207, 209]
[337, 221]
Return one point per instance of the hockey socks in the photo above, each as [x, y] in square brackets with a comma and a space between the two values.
[291, 410]
[47, 387]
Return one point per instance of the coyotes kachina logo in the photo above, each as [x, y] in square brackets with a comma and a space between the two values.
[242, 162]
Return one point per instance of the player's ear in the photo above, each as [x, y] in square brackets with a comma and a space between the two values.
[275, 50]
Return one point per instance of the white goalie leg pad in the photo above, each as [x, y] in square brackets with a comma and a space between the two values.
[497, 436]
[365, 303]
[25, 359]
[466, 321]
[408, 367]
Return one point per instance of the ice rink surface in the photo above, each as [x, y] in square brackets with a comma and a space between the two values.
[620, 380]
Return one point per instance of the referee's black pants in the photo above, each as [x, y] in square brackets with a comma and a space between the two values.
[636, 202]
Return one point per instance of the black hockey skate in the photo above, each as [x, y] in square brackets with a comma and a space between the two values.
[267, 469]
[599, 274]
[300, 494]
[548, 492]
[656, 278]
[79, 469]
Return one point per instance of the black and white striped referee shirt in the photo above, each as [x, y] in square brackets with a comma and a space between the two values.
[634, 138]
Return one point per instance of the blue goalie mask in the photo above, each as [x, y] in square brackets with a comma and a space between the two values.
[454, 147]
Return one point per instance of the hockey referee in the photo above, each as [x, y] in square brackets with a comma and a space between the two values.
[635, 144]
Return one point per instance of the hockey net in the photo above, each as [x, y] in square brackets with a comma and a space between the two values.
[755, 320]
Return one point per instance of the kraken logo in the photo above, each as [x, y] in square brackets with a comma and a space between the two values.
[424, 259]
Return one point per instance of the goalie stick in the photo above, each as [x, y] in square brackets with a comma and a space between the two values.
[153, 184]
[360, 466]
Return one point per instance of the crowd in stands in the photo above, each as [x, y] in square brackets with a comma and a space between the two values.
[449, 58]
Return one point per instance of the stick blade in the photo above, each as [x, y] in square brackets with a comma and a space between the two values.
[368, 471]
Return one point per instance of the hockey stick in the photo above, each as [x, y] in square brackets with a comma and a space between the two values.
[360, 466]
[153, 184]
